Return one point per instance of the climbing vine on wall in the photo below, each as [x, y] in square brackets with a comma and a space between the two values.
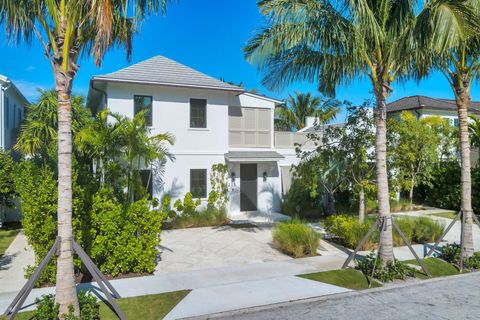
[218, 181]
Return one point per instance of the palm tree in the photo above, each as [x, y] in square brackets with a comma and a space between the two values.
[474, 129]
[38, 132]
[460, 66]
[141, 148]
[293, 115]
[333, 43]
[69, 29]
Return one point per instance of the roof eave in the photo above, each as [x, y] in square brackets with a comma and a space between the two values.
[167, 84]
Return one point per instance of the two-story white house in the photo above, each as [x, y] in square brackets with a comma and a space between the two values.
[12, 112]
[213, 122]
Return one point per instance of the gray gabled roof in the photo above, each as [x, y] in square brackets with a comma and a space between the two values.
[163, 71]
[423, 102]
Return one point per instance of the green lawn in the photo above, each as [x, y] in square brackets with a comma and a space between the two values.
[7, 234]
[150, 307]
[437, 267]
[347, 278]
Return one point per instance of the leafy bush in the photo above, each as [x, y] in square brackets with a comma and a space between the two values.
[38, 190]
[188, 206]
[370, 266]
[295, 238]
[451, 254]
[349, 231]
[124, 239]
[208, 216]
[298, 202]
[444, 189]
[48, 309]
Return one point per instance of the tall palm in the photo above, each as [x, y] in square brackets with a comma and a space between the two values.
[68, 29]
[460, 66]
[293, 115]
[141, 148]
[474, 129]
[334, 42]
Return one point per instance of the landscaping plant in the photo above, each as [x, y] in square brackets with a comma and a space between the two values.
[295, 238]
[373, 267]
[348, 231]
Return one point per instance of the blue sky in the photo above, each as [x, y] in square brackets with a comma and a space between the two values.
[205, 35]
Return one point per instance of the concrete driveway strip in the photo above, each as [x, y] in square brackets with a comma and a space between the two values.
[249, 294]
[453, 297]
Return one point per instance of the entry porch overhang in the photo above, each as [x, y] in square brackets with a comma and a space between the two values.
[253, 156]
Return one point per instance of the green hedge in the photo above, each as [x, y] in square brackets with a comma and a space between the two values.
[444, 189]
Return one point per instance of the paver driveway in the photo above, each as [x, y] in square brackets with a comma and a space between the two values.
[201, 248]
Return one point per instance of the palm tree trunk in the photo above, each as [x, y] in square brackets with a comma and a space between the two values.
[361, 205]
[66, 293]
[463, 102]
[383, 197]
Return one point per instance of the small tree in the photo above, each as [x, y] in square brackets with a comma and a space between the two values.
[415, 150]
[357, 142]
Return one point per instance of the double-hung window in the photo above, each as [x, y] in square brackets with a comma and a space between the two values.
[198, 183]
[198, 113]
[143, 103]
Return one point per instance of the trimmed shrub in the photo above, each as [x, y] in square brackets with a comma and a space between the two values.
[124, 239]
[296, 239]
[37, 188]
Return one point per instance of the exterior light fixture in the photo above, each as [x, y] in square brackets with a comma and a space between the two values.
[264, 176]
[232, 176]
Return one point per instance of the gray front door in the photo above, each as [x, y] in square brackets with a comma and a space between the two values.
[248, 187]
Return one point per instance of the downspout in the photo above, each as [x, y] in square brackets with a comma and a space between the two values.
[4, 86]
[104, 94]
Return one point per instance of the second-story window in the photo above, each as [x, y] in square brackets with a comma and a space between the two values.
[143, 103]
[198, 113]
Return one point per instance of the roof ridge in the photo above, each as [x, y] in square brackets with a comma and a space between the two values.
[160, 69]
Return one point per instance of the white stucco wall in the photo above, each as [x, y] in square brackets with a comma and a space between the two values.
[199, 148]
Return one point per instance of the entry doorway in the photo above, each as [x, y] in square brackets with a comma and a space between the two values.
[248, 187]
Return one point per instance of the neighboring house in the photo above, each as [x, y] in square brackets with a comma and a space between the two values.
[12, 111]
[422, 106]
[213, 122]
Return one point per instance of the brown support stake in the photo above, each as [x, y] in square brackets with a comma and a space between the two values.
[99, 276]
[443, 235]
[360, 244]
[420, 262]
[476, 219]
[88, 263]
[20, 298]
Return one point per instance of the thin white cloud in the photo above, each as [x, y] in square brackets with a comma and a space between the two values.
[30, 68]
[29, 89]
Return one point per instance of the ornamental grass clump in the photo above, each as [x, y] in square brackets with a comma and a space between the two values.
[296, 239]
